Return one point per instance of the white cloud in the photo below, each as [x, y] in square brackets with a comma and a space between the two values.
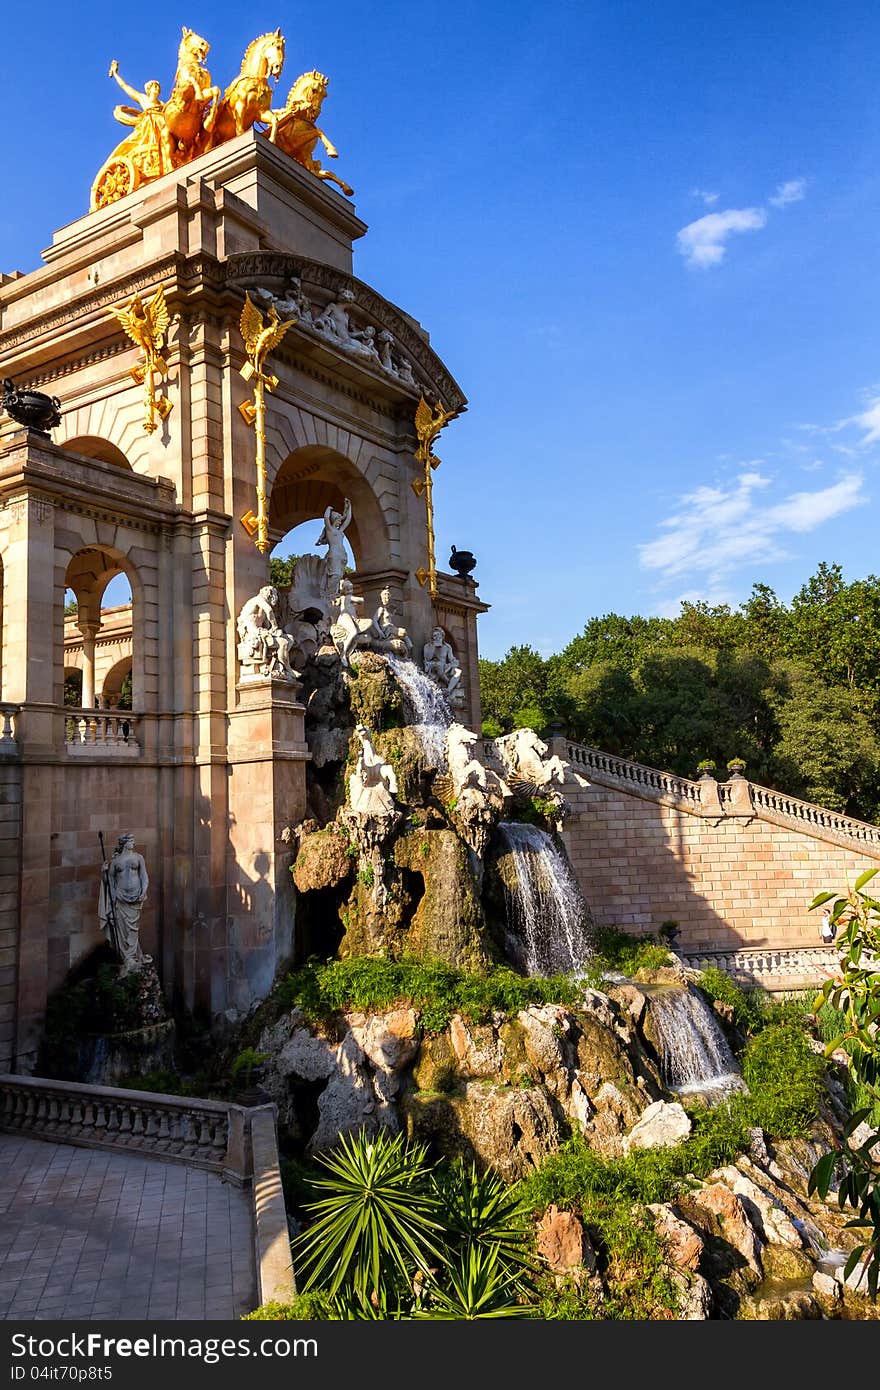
[867, 420]
[790, 192]
[710, 199]
[719, 529]
[702, 243]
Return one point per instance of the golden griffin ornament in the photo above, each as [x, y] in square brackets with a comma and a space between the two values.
[261, 336]
[428, 424]
[146, 326]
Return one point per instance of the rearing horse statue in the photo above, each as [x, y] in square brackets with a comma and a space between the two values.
[248, 98]
[191, 108]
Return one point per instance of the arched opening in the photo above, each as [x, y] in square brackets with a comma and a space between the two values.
[116, 690]
[91, 447]
[308, 482]
[101, 611]
[73, 679]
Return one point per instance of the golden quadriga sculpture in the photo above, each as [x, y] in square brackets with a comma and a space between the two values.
[168, 134]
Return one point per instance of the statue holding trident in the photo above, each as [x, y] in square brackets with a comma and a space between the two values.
[122, 895]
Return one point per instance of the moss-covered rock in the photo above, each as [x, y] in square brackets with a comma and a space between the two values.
[323, 860]
[374, 694]
[509, 1129]
[448, 923]
[436, 1067]
[402, 749]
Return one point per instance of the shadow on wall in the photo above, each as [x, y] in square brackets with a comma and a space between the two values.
[729, 884]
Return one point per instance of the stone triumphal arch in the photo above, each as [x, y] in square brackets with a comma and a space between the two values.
[206, 771]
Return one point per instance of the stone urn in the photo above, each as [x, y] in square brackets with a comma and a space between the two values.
[32, 409]
[462, 561]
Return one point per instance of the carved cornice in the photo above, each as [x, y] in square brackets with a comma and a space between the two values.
[250, 266]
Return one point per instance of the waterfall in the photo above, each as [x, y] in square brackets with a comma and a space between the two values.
[546, 911]
[427, 709]
[694, 1053]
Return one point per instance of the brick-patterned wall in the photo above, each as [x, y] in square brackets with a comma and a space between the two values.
[728, 882]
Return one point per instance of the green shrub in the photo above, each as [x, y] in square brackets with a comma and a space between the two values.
[627, 953]
[315, 1306]
[438, 991]
[783, 1076]
[747, 1004]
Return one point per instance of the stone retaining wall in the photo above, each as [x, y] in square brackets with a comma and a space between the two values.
[736, 866]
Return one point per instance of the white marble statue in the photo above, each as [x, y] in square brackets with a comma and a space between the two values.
[347, 628]
[264, 648]
[123, 892]
[372, 786]
[465, 769]
[333, 321]
[333, 536]
[293, 304]
[439, 661]
[387, 630]
[524, 755]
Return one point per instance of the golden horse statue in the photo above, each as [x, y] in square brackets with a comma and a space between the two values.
[295, 128]
[248, 98]
[192, 107]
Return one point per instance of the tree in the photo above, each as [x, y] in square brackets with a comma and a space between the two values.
[855, 993]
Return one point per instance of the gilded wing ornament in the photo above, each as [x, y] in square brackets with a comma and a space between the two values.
[260, 337]
[146, 326]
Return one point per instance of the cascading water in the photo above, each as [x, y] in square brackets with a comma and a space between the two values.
[546, 911]
[694, 1053]
[428, 710]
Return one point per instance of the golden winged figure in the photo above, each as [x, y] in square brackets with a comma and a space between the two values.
[429, 423]
[260, 335]
[146, 326]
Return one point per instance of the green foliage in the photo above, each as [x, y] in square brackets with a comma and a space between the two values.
[438, 991]
[244, 1066]
[855, 995]
[316, 1306]
[366, 876]
[378, 1221]
[398, 1237]
[626, 953]
[747, 1004]
[783, 1076]
[792, 690]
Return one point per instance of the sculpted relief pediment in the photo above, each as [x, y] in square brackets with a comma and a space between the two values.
[340, 318]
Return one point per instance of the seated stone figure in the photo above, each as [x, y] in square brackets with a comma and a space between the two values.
[439, 661]
[388, 633]
[348, 629]
[264, 648]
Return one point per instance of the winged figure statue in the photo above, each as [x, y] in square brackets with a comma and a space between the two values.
[146, 326]
[261, 336]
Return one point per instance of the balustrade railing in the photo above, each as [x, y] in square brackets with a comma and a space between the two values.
[201, 1133]
[649, 779]
[8, 718]
[778, 805]
[101, 731]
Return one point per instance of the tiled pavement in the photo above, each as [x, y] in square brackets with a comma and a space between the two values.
[89, 1234]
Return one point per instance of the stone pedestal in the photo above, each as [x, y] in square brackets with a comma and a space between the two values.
[267, 750]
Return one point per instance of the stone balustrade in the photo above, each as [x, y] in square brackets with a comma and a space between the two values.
[8, 719]
[201, 1133]
[774, 969]
[709, 798]
[113, 732]
[608, 768]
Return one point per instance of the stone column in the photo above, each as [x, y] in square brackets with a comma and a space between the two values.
[89, 632]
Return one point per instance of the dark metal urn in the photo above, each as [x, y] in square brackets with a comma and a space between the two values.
[32, 409]
[462, 561]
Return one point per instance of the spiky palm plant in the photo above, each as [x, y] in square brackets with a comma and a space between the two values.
[479, 1211]
[477, 1285]
[378, 1221]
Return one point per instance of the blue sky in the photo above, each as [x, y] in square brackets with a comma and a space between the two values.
[643, 237]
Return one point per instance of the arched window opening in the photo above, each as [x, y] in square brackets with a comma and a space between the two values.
[99, 627]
